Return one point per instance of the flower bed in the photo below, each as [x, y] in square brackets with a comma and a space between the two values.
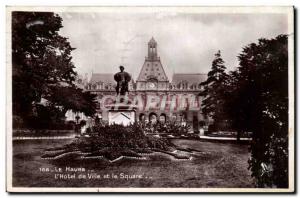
[114, 141]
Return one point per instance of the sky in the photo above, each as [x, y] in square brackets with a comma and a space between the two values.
[187, 42]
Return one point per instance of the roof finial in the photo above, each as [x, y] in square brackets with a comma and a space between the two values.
[152, 40]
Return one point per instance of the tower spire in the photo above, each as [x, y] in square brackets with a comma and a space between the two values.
[152, 49]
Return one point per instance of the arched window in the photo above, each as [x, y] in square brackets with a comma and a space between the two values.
[162, 118]
[142, 117]
[153, 118]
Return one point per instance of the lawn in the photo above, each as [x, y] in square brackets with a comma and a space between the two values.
[217, 165]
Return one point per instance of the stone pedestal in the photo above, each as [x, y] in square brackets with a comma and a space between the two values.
[124, 118]
[201, 132]
[123, 114]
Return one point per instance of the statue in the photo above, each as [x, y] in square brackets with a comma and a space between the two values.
[122, 79]
[122, 111]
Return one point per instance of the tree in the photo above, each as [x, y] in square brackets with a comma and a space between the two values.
[214, 90]
[41, 61]
[258, 102]
[73, 98]
[236, 104]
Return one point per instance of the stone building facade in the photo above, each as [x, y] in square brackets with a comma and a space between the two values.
[157, 97]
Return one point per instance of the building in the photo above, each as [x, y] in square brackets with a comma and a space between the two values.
[157, 97]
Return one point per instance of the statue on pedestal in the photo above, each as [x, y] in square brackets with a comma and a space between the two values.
[122, 111]
[122, 78]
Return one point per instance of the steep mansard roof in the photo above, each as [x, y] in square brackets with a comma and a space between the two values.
[102, 77]
[191, 78]
[152, 69]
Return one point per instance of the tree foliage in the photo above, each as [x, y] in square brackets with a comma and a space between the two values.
[75, 99]
[215, 90]
[257, 101]
[42, 63]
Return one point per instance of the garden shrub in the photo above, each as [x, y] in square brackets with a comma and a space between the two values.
[114, 141]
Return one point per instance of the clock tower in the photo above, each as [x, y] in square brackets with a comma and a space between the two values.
[152, 75]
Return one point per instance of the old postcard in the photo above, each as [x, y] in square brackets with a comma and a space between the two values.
[150, 99]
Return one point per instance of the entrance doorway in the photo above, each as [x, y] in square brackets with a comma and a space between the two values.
[162, 118]
[142, 117]
[152, 118]
[195, 123]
